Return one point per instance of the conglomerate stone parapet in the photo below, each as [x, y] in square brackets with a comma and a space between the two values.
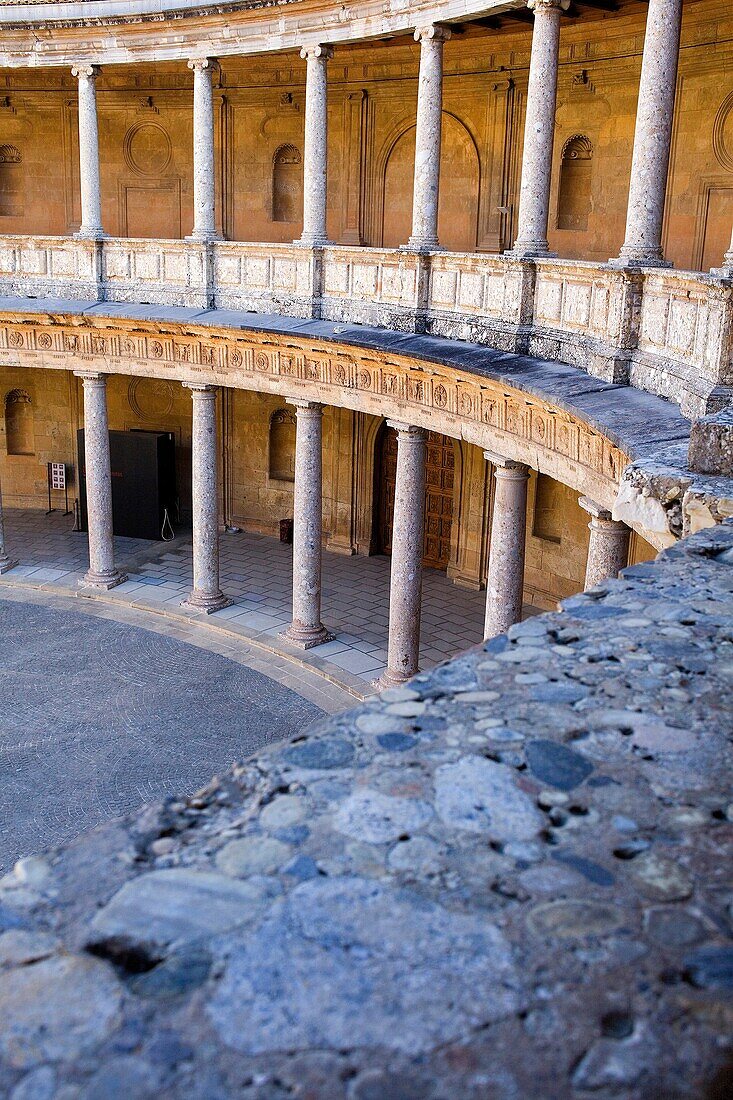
[509, 878]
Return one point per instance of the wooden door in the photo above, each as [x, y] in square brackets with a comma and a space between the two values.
[439, 475]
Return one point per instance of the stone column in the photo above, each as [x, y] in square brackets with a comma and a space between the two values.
[91, 195]
[408, 532]
[204, 191]
[505, 582]
[539, 129]
[315, 156]
[424, 235]
[102, 572]
[608, 548]
[652, 137]
[727, 268]
[206, 595]
[6, 562]
[306, 629]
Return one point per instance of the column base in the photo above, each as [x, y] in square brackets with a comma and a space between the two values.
[419, 244]
[531, 251]
[637, 260]
[305, 637]
[206, 602]
[86, 233]
[6, 564]
[391, 679]
[203, 238]
[102, 582]
[313, 242]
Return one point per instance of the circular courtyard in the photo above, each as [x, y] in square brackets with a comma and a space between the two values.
[98, 716]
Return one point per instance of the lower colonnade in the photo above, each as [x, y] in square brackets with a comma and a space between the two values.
[503, 485]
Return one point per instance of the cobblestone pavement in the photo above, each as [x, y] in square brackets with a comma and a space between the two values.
[98, 716]
[509, 878]
[256, 572]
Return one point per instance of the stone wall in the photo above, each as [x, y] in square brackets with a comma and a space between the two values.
[508, 878]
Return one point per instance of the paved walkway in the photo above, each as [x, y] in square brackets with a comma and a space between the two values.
[256, 572]
[99, 716]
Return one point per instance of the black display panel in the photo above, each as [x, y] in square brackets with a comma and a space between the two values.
[143, 482]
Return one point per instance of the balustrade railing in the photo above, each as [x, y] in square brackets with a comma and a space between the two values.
[668, 332]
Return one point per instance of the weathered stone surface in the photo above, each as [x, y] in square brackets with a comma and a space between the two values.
[368, 947]
[56, 1010]
[378, 818]
[172, 906]
[481, 796]
[711, 444]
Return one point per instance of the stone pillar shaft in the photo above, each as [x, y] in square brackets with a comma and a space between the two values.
[204, 188]
[539, 129]
[91, 194]
[608, 547]
[505, 581]
[408, 532]
[653, 134]
[6, 562]
[102, 572]
[306, 629]
[206, 594]
[426, 184]
[315, 156]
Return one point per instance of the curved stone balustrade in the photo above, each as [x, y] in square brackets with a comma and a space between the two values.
[667, 332]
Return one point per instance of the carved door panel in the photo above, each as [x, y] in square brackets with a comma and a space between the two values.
[439, 480]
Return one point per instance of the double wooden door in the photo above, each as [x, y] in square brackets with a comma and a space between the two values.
[439, 480]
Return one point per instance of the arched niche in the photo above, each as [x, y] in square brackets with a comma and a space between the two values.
[11, 181]
[575, 190]
[459, 188]
[287, 185]
[19, 429]
[281, 448]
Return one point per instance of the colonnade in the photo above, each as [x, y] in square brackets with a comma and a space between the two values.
[607, 548]
[651, 150]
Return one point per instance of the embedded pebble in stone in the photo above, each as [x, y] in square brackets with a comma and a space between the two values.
[524, 851]
[320, 755]
[128, 1076]
[396, 742]
[574, 919]
[252, 855]
[18, 947]
[301, 868]
[380, 723]
[659, 878]
[381, 982]
[477, 696]
[480, 795]
[284, 810]
[32, 871]
[378, 818]
[488, 723]
[419, 854]
[623, 824]
[687, 817]
[56, 1010]
[530, 678]
[182, 972]
[39, 1084]
[710, 968]
[503, 734]
[674, 927]
[412, 709]
[612, 1064]
[588, 868]
[399, 695]
[548, 799]
[175, 905]
[558, 693]
[630, 849]
[557, 765]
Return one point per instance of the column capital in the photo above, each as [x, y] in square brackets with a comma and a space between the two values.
[201, 64]
[506, 466]
[548, 5]
[201, 389]
[91, 72]
[601, 518]
[302, 403]
[407, 431]
[433, 32]
[91, 376]
[320, 50]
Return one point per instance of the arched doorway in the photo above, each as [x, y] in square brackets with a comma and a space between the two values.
[458, 198]
[439, 479]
